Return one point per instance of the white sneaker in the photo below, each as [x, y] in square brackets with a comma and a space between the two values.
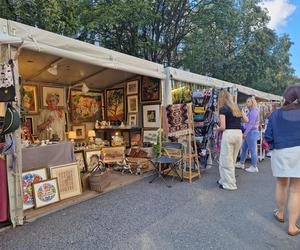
[240, 165]
[252, 169]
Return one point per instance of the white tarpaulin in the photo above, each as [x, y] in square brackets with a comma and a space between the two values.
[50, 43]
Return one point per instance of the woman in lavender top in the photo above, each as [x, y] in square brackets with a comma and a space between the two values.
[250, 136]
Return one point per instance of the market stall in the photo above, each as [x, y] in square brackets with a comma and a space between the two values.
[77, 100]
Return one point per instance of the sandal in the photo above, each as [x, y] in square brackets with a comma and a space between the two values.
[275, 213]
[295, 233]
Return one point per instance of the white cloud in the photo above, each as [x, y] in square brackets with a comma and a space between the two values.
[279, 11]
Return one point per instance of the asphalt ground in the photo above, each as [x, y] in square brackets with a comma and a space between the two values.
[152, 216]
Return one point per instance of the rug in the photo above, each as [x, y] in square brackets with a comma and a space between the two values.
[178, 120]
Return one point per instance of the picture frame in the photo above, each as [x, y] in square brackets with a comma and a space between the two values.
[86, 107]
[80, 130]
[132, 104]
[132, 87]
[115, 105]
[136, 139]
[34, 138]
[46, 193]
[92, 157]
[28, 179]
[80, 159]
[150, 90]
[132, 120]
[30, 100]
[68, 179]
[59, 91]
[151, 116]
[29, 124]
[150, 135]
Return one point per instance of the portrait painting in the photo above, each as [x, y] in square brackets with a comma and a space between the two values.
[115, 108]
[92, 159]
[132, 120]
[30, 99]
[150, 90]
[80, 159]
[86, 106]
[59, 92]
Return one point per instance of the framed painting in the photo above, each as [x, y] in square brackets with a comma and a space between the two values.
[115, 108]
[132, 102]
[133, 87]
[150, 135]
[80, 159]
[136, 139]
[45, 193]
[150, 90]
[151, 116]
[132, 120]
[92, 159]
[30, 99]
[28, 179]
[68, 178]
[80, 130]
[86, 106]
[29, 125]
[59, 92]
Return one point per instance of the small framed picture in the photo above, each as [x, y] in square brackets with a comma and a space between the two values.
[150, 135]
[28, 179]
[132, 87]
[80, 130]
[45, 193]
[132, 120]
[30, 99]
[132, 102]
[58, 92]
[92, 159]
[151, 116]
[80, 159]
[35, 138]
[68, 178]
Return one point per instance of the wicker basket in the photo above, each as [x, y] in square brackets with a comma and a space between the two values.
[99, 181]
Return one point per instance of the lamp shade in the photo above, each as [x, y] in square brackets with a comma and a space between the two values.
[72, 135]
[91, 133]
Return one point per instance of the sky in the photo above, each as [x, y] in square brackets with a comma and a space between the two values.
[285, 18]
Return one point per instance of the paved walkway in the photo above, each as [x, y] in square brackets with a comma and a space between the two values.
[152, 216]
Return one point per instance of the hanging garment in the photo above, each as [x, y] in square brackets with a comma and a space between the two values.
[3, 192]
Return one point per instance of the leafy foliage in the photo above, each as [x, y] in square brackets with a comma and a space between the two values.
[226, 39]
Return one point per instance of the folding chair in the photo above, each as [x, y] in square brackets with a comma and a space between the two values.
[170, 160]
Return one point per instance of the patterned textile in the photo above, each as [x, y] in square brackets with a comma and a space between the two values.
[178, 120]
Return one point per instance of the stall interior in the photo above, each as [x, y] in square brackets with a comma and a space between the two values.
[83, 128]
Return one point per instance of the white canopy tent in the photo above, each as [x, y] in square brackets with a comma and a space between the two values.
[76, 62]
[184, 76]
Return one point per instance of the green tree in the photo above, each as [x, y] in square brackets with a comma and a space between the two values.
[62, 17]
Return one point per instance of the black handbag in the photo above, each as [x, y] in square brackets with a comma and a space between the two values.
[7, 82]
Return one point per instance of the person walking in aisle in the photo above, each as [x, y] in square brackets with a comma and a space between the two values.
[283, 136]
[230, 117]
[250, 136]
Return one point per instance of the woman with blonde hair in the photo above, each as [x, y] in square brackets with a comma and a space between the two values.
[250, 136]
[230, 117]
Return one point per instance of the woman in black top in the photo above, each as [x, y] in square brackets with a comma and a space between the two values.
[230, 123]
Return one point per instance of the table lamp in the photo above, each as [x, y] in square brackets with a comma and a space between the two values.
[91, 135]
[72, 135]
